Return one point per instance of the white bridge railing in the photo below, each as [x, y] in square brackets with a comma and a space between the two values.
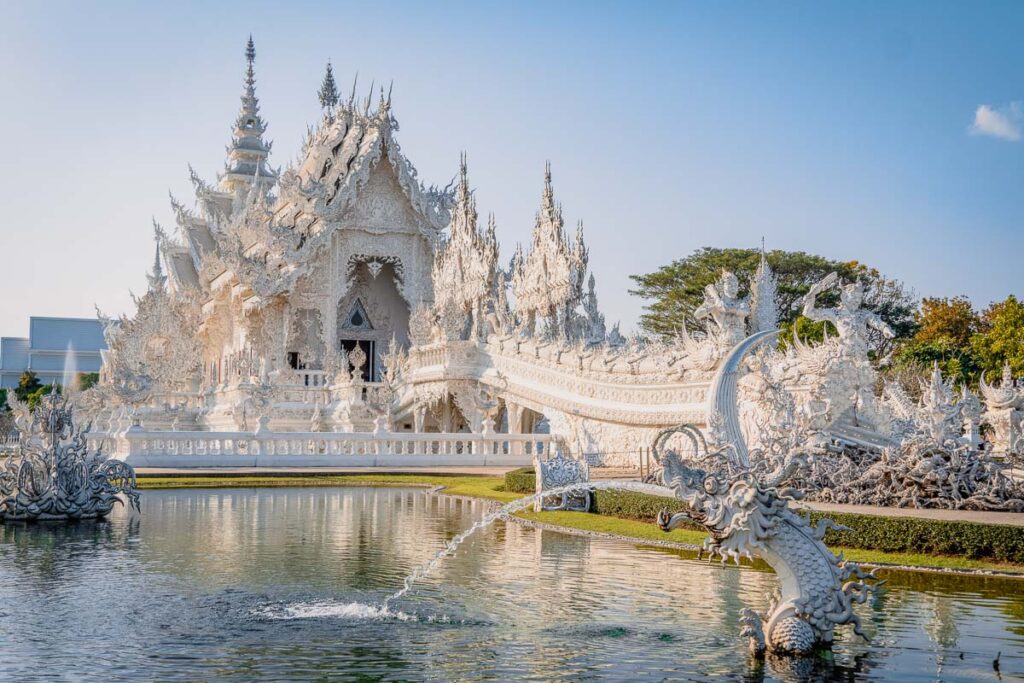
[395, 447]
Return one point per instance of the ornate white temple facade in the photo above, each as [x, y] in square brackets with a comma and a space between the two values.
[342, 295]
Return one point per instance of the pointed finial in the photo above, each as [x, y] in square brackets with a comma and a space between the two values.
[352, 97]
[369, 99]
[250, 50]
[492, 229]
[156, 278]
[328, 94]
[463, 174]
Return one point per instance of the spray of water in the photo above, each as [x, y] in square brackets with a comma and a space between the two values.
[69, 379]
[331, 609]
[503, 512]
[363, 611]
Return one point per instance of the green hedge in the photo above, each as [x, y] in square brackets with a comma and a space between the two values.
[969, 540]
[522, 480]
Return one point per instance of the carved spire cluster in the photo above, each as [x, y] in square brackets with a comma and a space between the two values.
[465, 268]
[548, 281]
[248, 152]
[764, 309]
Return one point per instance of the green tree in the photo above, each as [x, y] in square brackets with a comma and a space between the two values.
[676, 290]
[1001, 338]
[953, 321]
[37, 395]
[6, 416]
[945, 330]
[87, 380]
[28, 384]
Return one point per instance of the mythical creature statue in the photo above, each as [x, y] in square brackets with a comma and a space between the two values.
[850, 374]
[724, 306]
[852, 322]
[1003, 411]
[748, 518]
[56, 477]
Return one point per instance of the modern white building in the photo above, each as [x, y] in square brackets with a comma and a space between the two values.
[52, 345]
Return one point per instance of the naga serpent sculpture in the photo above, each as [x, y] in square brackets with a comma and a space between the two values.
[751, 518]
[56, 477]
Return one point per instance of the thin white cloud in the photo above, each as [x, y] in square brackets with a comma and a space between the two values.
[1004, 122]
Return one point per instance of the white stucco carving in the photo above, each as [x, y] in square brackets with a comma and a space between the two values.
[342, 294]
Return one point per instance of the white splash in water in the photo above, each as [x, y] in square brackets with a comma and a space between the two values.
[335, 610]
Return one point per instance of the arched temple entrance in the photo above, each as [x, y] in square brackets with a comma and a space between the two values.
[370, 315]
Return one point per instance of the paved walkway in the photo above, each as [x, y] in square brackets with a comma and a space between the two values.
[314, 471]
[981, 517]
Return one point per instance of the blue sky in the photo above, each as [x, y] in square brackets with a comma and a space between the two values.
[883, 132]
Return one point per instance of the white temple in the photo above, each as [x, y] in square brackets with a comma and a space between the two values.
[343, 296]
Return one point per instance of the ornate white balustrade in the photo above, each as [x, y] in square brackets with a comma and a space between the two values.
[313, 378]
[225, 449]
[9, 443]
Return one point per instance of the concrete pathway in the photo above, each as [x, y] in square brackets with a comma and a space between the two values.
[981, 517]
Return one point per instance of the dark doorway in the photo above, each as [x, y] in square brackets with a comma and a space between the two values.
[369, 347]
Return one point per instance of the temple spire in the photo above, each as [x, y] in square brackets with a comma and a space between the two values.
[157, 279]
[764, 308]
[328, 89]
[248, 152]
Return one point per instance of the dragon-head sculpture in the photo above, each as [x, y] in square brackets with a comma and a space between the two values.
[748, 518]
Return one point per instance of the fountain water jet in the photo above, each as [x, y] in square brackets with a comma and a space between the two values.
[515, 506]
[69, 378]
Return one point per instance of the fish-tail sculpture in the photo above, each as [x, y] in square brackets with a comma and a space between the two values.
[818, 588]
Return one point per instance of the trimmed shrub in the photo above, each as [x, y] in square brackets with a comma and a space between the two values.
[640, 506]
[969, 540]
[522, 480]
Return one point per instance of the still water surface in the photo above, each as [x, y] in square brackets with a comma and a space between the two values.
[259, 585]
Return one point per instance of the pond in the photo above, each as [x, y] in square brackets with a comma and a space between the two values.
[281, 584]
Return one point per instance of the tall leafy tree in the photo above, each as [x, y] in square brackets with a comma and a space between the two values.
[676, 290]
[1001, 339]
[28, 384]
[946, 328]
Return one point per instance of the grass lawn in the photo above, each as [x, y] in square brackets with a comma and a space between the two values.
[477, 487]
[489, 488]
[650, 532]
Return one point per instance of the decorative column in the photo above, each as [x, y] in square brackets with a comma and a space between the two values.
[514, 415]
[514, 411]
